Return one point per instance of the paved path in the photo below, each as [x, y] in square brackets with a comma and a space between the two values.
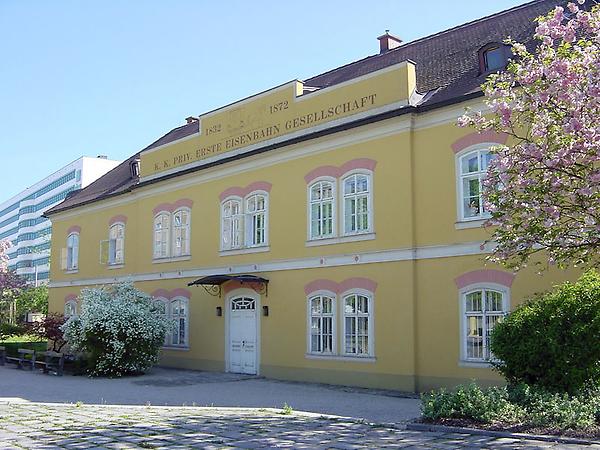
[185, 387]
[44, 426]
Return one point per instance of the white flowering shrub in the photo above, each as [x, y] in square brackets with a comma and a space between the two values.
[120, 328]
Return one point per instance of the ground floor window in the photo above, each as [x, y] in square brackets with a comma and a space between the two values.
[354, 312]
[483, 309]
[177, 310]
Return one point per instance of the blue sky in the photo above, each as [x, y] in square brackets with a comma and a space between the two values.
[109, 77]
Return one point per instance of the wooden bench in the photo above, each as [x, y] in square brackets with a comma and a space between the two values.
[26, 359]
[53, 362]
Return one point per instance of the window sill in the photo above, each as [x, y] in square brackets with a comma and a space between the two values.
[348, 358]
[466, 223]
[340, 240]
[173, 259]
[183, 348]
[70, 271]
[475, 364]
[115, 266]
[243, 251]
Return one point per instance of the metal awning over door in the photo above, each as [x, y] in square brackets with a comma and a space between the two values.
[212, 283]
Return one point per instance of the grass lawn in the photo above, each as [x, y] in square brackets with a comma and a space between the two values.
[14, 343]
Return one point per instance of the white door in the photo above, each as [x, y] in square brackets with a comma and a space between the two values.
[242, 335]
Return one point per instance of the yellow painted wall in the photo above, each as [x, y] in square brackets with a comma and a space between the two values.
[416, 302]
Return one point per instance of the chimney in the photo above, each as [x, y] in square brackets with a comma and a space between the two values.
[191, 119]
[388, 42]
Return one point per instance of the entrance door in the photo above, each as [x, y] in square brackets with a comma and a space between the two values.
[242, 335]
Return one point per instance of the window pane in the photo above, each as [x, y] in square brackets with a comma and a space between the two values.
[350, 185]
[494, 59]
[472, 206]
[350, 305]
[474, 302]
[470, 163]
[475, 337]
[493, 301]
[362, 184]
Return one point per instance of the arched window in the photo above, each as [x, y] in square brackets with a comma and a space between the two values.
[162, 225]
[116, 244]
[162, 307]
[357, 203]
[179, 315]
[256, 213]
[232, 228]
[358, 325]
[72, 253]
[321, 209]
[70, 308]
[321, 324]
[483, 308]
[472, 167]
[181, 232]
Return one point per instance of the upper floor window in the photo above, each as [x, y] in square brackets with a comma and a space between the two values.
[356, 203]
[244, 223]
[72, 252]
[472, 168]
[116, 244]
[162, 227]
[181, 232]
[322, 209]
[482, 309]
[493, 57]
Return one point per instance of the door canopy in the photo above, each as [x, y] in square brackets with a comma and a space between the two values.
[212, 283]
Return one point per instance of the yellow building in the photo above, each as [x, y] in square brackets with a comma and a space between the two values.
[328, 230]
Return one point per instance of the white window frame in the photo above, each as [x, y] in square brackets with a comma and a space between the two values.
[113, 245]
[240, 216]
[186, 302]
[72, 256]
[70, 308]
[342, 198]
[188, 229]
[462, 295]
[334, 325]
[245, 223]
[334, 201]
[249, 231]
[460, 156]
[167, 253]
[371, 322]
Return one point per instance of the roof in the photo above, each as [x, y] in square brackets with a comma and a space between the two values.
[447, 66]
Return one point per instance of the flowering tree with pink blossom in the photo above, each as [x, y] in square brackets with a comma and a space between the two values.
[543, 188]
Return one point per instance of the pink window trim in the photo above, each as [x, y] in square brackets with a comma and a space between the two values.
[339, 288]
[116, 219]
[74, 229]
[233, 285]
[485, 276]
[183, 203]
[479, 138]
[178, 292]
[71, 298]
[163, 207]
[237, 191]
[335, 172]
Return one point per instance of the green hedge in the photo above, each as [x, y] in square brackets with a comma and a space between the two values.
[553, 340]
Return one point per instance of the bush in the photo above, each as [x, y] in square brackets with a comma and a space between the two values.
[553, 340]
[7, 330]
[515, 405]
[120, 328]
[49, 329]
[472, 403]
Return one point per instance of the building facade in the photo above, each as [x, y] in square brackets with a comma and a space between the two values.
[328, 230]
[22, 221]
